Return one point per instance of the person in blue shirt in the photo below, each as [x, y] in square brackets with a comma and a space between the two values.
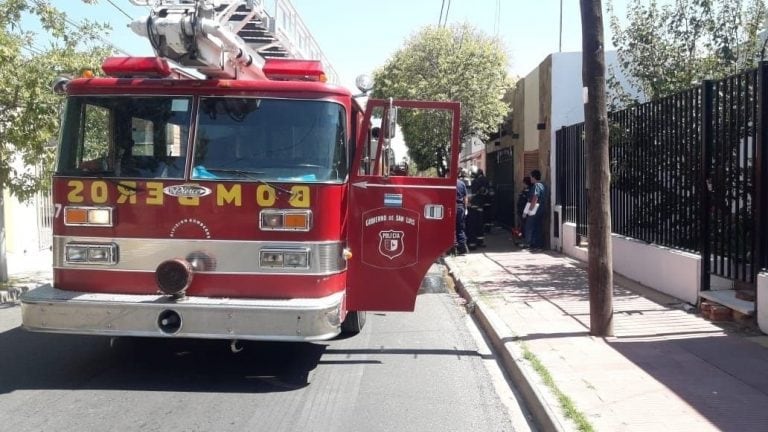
[460, 244]
[535, 212]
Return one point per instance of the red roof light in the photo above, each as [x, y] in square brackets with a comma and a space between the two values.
[294, 70]
[148, 67]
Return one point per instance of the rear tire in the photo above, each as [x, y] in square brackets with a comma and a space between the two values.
[353, 323]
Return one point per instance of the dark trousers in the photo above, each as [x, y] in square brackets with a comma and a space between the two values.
[475, 230]
[461, 235]
[534, 230]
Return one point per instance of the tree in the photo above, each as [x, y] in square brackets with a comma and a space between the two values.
[665, 50]
[458, 63]
[600, 259]
[669, 48]
[29, 110]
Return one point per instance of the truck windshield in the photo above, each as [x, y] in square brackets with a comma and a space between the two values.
[123, 136]
[270, 140]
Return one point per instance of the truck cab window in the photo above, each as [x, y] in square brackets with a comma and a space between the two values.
[116, 136]
[270, 140]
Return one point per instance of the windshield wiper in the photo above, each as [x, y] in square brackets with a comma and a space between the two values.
[251, 175]
[242, 173]
[277, 188]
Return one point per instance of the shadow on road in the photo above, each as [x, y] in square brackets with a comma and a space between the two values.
[47, 361]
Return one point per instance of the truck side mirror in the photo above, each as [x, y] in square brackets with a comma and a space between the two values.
[391, 125]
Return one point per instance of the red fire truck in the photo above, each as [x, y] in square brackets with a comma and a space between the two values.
[253, 202]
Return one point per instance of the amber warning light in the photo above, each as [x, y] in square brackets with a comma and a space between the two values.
[145, 67]
[294, 70]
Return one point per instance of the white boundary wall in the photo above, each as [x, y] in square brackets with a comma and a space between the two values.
[670, 271]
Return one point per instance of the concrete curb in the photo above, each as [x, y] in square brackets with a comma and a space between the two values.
[502, 339]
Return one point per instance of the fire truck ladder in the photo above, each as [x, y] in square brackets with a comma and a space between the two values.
[227, 39]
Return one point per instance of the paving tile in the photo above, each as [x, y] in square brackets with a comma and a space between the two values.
[665, 370]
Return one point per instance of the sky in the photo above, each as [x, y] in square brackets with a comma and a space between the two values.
[357, 36]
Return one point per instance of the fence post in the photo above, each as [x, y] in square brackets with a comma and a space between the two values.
[760, 212]
[707, 114]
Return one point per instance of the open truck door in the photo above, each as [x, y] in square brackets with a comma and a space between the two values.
[399, 225]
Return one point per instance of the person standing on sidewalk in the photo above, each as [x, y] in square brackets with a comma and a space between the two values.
[460, 244]
[476, 211]
[522, 200]
[535, 212]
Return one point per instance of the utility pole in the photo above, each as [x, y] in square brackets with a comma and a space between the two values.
[3, 260]
[600, 255]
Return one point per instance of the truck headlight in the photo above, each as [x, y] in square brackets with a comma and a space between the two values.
[77, 254]
[271, 258]
[284, 258]
[91, 253]
[299, 259]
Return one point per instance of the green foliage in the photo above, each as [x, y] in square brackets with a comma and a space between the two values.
[426, 133]
[29, 110]
[96, 133]
[668, 48]
[458, 63]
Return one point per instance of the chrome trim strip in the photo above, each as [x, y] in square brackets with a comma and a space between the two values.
[220, 256]
[47, 309]
[364, 184]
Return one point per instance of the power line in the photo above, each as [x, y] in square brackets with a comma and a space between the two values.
[444, 17]
[447, 10]
[32, 49]
[77, 26]
[118, 8]
[560, 43]
[101, 38]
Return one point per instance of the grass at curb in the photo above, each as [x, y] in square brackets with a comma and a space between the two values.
[571, 412]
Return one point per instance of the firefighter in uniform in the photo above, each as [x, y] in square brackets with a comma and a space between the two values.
[476, 211]
[460, 244]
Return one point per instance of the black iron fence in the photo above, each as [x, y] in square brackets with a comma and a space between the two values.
[684, 170]
[654, 175]
[570, 181]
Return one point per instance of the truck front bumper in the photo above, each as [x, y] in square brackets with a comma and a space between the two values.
[48, 309]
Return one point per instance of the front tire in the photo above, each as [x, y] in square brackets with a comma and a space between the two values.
[353, 323]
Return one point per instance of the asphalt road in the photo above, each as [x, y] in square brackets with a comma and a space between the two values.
[422, 371]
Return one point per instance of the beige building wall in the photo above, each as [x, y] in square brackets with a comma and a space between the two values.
[531, 110]
[21, 231]
[518, 129]
[544, 141]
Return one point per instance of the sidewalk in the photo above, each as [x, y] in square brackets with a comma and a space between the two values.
[26, 271]
[665, 370]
